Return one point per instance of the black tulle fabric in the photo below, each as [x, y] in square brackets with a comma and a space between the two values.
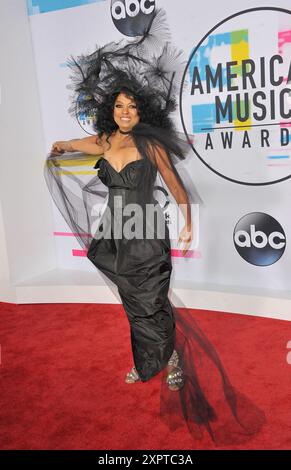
[150, 68]
[208, 402]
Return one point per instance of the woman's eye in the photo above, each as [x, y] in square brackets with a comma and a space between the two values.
[120, 106]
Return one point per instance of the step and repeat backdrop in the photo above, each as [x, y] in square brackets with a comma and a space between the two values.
[234, 107]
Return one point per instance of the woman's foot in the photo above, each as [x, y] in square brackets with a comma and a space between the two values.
[132, 376]
[175, 378]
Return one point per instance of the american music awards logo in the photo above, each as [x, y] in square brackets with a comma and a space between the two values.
[238, 97]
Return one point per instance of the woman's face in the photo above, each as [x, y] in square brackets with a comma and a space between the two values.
[125, 112]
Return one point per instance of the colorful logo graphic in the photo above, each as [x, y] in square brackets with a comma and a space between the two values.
[259, 239]
[238, 84]
[35, 7]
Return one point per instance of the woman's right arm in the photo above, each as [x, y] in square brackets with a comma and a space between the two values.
[91, 145]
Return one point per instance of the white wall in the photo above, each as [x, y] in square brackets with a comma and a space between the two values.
[26, 208]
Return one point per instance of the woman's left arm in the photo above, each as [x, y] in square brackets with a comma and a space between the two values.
[175, 185]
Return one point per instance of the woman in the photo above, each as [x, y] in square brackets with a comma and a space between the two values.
[144, 298]
[127, 91]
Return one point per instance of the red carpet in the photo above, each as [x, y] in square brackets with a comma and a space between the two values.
[63, 368]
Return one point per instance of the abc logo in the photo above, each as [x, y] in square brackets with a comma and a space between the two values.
[259, 239]
[131, 8]
[132, 17]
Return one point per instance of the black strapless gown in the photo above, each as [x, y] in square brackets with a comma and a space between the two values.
[140, 267]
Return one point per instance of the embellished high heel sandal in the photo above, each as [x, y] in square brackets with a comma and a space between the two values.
[132, 376]
[175, 378]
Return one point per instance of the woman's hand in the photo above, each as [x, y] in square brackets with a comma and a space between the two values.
[186, 237]
[62, 146]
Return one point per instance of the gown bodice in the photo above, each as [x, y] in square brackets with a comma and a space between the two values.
[135, 181]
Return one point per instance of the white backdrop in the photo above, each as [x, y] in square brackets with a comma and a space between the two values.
[57, 34]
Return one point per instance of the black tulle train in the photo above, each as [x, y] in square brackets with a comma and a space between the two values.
[208, 402]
